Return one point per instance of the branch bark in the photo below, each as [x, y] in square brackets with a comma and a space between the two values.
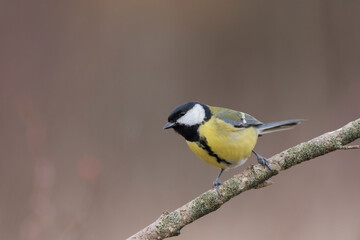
[170, 223]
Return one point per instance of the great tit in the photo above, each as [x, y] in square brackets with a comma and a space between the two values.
[222, 137]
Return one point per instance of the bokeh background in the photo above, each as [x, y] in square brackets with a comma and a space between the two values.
[86, 87]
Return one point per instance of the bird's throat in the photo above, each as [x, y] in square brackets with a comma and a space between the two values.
[190, 133]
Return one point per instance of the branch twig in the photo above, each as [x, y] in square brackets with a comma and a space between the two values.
[170, 224]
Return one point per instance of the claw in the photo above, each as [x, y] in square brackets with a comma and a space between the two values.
[263, 161]
[217, 182]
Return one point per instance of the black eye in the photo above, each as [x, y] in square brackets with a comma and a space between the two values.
[182, 113]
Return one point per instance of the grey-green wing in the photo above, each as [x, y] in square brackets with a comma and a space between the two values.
[237, 119]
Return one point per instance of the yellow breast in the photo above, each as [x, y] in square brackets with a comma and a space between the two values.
[227, 142]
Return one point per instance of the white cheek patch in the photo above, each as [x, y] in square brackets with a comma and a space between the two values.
[194, 116]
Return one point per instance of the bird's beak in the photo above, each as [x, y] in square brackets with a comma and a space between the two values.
[169, 125]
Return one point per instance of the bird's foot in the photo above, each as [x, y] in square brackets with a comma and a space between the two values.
[216, 184]
[262, 160]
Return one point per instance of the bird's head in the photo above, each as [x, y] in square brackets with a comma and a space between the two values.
[187, 118]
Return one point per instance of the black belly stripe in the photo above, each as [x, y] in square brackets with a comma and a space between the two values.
[204, 145]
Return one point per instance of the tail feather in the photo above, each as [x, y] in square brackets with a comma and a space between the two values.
[277, 126]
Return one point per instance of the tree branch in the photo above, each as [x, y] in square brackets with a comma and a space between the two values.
[170, 224]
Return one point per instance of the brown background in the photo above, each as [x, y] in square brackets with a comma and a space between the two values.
[86, 87]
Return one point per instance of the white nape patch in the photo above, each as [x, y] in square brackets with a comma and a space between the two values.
[195, 115]
[243, 117]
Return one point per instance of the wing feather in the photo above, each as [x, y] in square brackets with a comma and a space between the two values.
[235, 118]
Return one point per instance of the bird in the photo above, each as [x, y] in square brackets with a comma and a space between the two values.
[222, 137]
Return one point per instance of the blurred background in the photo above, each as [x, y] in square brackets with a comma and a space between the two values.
[86, 87]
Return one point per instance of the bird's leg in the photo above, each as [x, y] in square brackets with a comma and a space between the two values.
[263, 161]
[217, 181]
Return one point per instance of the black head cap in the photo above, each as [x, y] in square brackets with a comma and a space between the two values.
[181, 111]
